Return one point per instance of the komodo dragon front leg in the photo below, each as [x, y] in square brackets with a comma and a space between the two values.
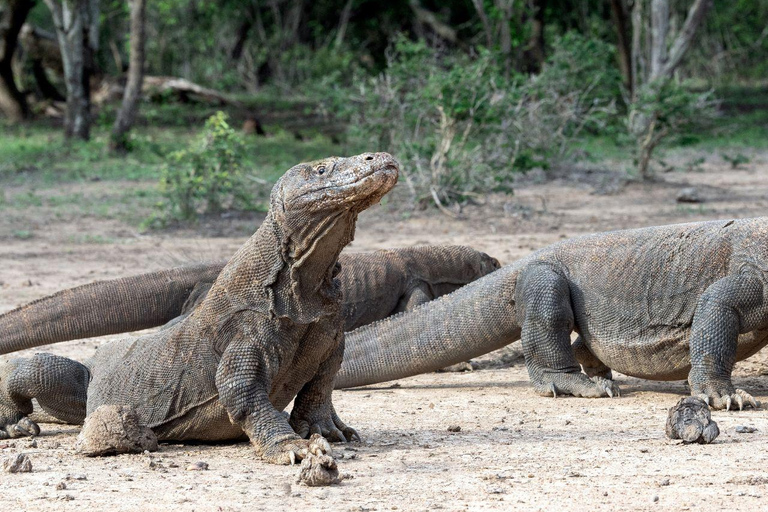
[729, 307]
[543, 302]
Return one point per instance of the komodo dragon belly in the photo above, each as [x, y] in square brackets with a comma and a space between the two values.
[173, 389]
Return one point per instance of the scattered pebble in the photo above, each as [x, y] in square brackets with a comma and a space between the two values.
[61, 486]
[454, 428]
[17, 464]
[198, 466]
[655, 499]
[743, 429]
[689, 195]
[664, 482]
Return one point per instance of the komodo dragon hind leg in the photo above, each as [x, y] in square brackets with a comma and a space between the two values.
[727, 307]
[59, 384]
[590, 364]
[543, 299]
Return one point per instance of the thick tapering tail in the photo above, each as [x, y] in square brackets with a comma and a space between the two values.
[104, 307]
[469, 322]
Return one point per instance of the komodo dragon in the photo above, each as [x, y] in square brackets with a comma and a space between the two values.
[661, 303]
[268, 330]
[374, 286]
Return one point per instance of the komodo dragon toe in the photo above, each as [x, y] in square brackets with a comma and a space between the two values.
[289, 451]
[724, 396]
[578, 385]
[328, 425]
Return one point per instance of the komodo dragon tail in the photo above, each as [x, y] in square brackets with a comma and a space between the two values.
[475, 319]
[104, 307]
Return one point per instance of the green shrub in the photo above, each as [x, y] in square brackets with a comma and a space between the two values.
[461, 127]
[207, 177]
[663, 108]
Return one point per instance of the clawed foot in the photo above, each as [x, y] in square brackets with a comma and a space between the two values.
[289, 451]
[726, 397]
[579, 385]
[23, 427]
[332, 429]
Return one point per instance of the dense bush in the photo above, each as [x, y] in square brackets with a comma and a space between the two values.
[207, 177]
[462, 128]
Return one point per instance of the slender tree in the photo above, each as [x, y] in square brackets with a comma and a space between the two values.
[654, 64]
[76, 23]
[12, 16]
[127, 114]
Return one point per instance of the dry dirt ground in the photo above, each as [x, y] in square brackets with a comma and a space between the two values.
[514, 450]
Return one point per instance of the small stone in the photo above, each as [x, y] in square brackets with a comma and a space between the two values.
[17, 464]
[114, 429]
[689, 195]
[691, 421]
[318, 470]
[198, 466]
[76, 477]
[664, 482]
[32, 444]
[655, 499]
[61, 486]
[743, 429]
[454, 428]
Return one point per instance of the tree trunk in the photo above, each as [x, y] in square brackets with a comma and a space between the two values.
[534, 51]
[659, 31]
[620, 18]
[74, 22]
[663, 63]
[127, 114]
[12, 101]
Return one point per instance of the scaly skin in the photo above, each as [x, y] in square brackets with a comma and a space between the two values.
[268, 332]
[374, 285]
[661, 303]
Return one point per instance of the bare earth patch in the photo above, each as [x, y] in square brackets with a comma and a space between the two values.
[513, 450]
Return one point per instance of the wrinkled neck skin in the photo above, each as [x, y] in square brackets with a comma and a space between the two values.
[287, 268]
[312, 252]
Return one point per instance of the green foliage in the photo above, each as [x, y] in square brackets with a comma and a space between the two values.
[207, 177]
[735, 160]
[663, 108]
[462, 128]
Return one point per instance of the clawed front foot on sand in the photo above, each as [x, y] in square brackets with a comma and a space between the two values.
[724, 396]
[328, 425]
[20, 428]
[289, 451]
[578, 384]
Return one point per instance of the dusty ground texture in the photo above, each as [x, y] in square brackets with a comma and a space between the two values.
[514, 450]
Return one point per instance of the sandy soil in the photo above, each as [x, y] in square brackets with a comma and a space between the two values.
[514, 450]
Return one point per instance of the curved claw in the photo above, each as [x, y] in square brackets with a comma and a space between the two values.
[749, 398]
[292, 456]
[727, 402]
[607, 386]
[552, 389]
[318, 445]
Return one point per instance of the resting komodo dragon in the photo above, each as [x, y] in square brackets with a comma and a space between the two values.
[268, 330]
[661, 303]
[374, 285]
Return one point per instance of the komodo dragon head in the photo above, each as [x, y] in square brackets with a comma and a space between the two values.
[312, 216]
[334, 184]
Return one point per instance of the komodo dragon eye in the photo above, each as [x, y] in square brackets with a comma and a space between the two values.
[321, 170]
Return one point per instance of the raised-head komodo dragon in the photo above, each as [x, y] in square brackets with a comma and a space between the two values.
[268, 331]
[662, 303]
